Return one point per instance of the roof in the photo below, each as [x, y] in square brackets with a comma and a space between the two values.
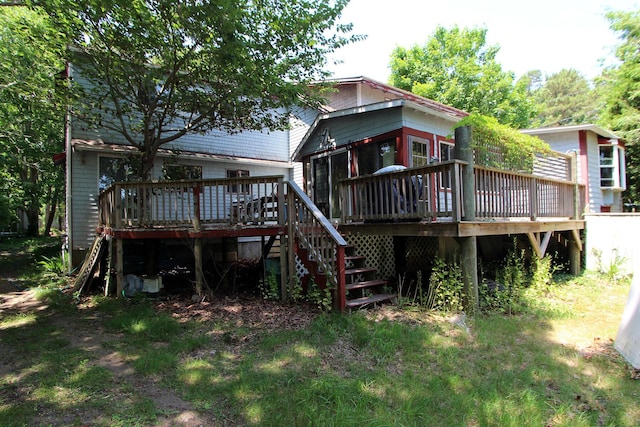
[400, 93]
[369, 108]
[572, 128]
[100, 146]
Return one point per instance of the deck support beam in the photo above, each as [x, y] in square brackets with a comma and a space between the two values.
[119, 267]
[468, 245]
[575, 253]
[197, 256]
[540, 247]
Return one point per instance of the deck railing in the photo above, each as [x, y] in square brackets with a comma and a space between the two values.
[434, 192]
[427, 192]
[325, 246]
[193, 203]
[501, 194]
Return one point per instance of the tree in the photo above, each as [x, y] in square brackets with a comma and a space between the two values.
[162, 69]
[622, 91]
[566, 98]
[456, 67]
[31, 114]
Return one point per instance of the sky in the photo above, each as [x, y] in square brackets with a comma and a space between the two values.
[547, 35]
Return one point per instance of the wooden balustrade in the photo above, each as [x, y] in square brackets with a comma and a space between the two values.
[502, 194]
[434, 192]
[326, 247]
[427, 192]
[193, 203]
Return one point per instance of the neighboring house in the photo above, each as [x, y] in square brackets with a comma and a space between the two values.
[600, 162]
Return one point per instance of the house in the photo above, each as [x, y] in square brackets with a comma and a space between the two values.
[371, 187]
[600, 162]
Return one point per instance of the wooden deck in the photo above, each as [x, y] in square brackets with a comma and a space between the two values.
[423, 201]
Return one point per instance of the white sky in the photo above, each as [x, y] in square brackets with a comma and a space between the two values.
[549, 35]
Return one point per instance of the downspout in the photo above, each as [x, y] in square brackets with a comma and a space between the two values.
[68, 189]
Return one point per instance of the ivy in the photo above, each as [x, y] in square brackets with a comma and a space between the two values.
[500, 146]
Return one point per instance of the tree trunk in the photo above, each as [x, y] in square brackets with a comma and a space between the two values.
[33, 207]
[51, 212]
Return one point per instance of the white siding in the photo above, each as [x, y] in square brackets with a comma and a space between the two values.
[418, 120]
[84, 199]
[301, 121]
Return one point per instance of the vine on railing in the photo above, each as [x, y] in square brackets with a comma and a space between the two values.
[497, 145]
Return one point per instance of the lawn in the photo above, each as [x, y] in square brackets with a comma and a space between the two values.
[243, 361]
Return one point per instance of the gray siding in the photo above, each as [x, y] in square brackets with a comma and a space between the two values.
[354, 128]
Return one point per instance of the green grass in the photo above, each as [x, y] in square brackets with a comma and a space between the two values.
[553, 364]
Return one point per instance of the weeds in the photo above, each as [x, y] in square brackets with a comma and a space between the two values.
[613, 270]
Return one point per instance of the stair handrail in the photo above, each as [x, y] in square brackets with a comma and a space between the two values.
[318, 236]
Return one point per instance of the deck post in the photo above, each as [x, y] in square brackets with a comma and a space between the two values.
[468, 245]
[291, 252]
[197, 255]
[119, 268]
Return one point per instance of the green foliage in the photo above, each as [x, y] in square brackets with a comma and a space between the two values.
[505, 294]
[54, 267]
[497, 145]
[32, 108]
[269, 286]
[163, 69]
[566, 98]
[613, 270]
[456, 68]
[320, 297]
[621, 86]
[445, 286]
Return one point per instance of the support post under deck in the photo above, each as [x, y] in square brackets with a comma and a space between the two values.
[468, 245]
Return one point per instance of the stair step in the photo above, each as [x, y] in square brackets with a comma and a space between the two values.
[359, 270]
[355, 258]
[360, 302]
[366, 284]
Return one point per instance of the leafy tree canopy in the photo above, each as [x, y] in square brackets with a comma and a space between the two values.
[161, 69]
[622, 90]
[566, 98]
[32, 111]
[457, 68]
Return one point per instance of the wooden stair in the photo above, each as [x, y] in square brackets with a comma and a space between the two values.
[362, 287]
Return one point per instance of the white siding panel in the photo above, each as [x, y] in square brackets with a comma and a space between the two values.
[84, 199]
[419, 121]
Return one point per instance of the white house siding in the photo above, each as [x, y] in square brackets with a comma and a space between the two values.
[370, 95]
[84, 197]
[416, 120]
[568, 141]
[301, 121]
[345, 97]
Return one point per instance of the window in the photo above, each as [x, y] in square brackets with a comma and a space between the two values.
[376, 155]
[238, 188]
[419, 151]
[112, 170]
[446, 151]
[612, 167]
[175, 172]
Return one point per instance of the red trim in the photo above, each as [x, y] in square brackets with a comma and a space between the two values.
[342, 287]
[190, 234]
[584, 163]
